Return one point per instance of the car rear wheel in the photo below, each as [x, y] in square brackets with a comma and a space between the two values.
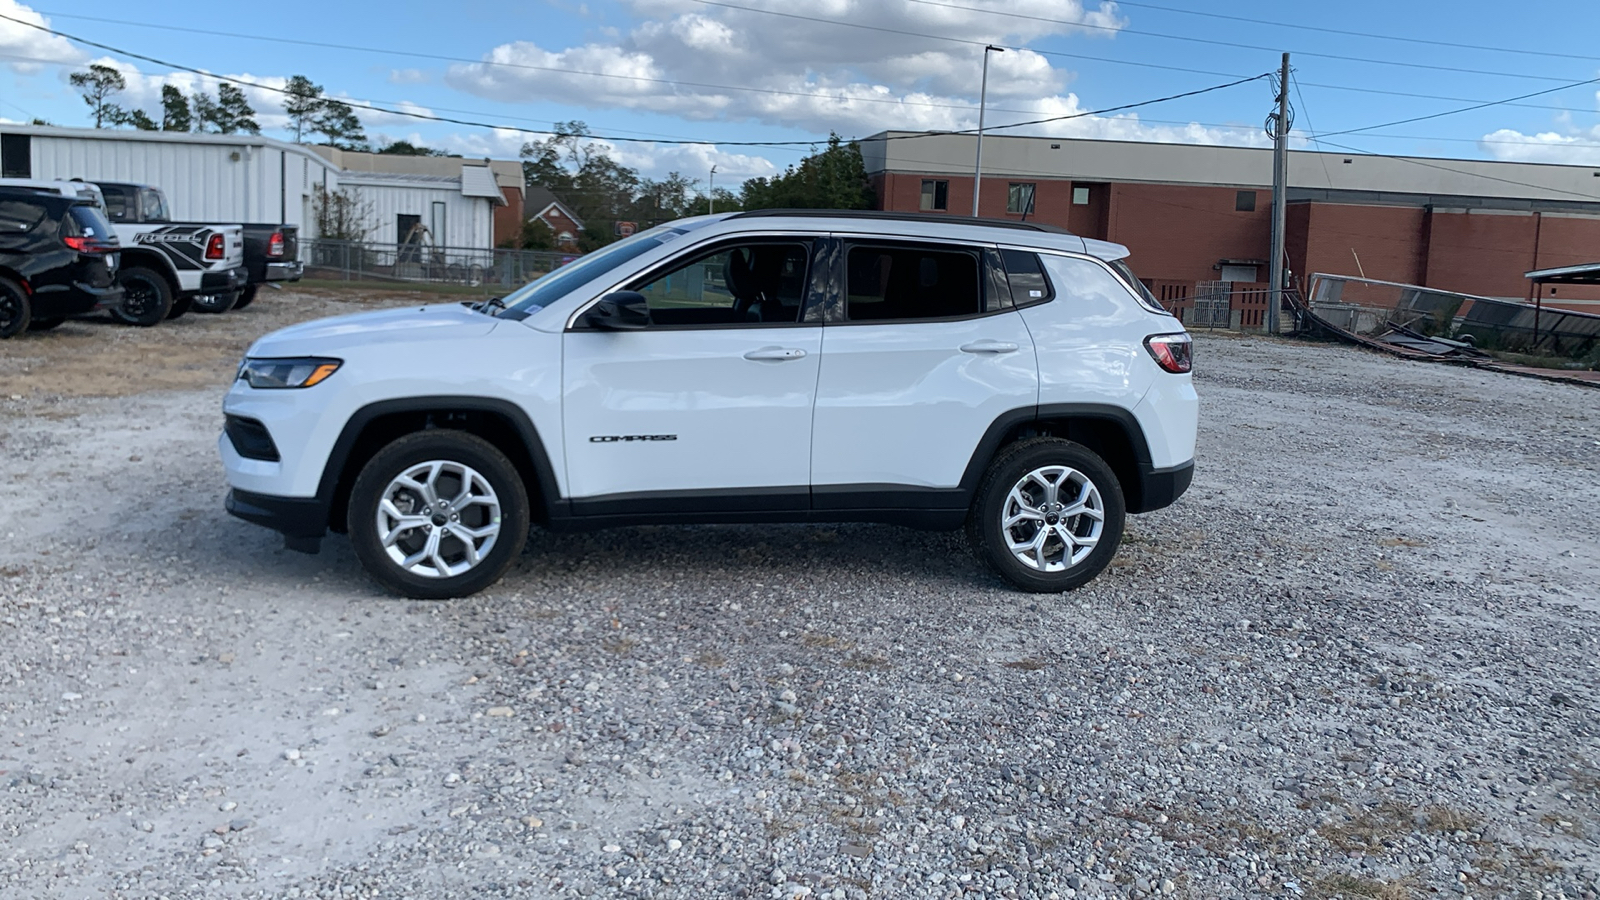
[15, 311]
[1048, 515]
[146, 297]
[438, 514]
[246, 297]
[215, 303]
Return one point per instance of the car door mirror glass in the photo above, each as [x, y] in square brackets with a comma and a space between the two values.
[619, 311]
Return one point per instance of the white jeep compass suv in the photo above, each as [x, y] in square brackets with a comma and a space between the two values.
[773, 366]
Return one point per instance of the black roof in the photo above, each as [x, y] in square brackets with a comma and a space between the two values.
[886, 215]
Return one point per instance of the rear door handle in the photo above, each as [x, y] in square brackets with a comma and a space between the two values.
[778, 353]
[989, 347]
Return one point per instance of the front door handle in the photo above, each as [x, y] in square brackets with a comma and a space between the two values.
[989, 347]
[778, 353]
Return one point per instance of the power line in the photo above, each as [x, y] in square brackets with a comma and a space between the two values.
[1452, 112]
[1364, 90]
[1175, 37]
[1320, 158]
[474, 124]
[1418, 162]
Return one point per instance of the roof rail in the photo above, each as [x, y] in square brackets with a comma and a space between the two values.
[924, 218]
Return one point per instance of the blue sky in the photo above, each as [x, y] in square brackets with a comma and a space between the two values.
[727, 71]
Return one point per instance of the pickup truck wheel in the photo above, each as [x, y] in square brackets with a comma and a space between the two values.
[438, 514]
[146, 297]
[215, 303]
[1048, 515]
[15, 310]
[246, 297]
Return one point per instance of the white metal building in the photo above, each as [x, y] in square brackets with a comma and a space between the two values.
[248, 178]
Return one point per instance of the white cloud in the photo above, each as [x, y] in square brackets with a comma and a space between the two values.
[409, 76]
[820, 76]
[27, 50]
[1578, 147]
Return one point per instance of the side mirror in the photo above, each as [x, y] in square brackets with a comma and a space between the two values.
[621, 311]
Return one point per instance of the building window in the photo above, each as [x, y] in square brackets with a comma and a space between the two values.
[1245, 201]
[1245, 274]
[16, 156]
[1080, 196]
[1019, 198]
[935, 194]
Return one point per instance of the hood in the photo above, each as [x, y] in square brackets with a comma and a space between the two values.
[441, 322]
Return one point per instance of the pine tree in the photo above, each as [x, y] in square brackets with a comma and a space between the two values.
[337, 122]
[205, 111]
[302, 101]
[234, 114]
[99, 85]
[139, 119]
[175, 114]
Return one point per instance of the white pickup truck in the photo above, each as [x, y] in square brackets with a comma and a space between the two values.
[167, 265]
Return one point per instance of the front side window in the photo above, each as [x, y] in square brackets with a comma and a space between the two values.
[935, 194]
[1019, 198]
[746, 283]
[893, 283]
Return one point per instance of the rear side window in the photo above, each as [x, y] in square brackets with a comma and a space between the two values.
[890, 283]
[86, 221]
[20, 216]
[116, 203]
[1028, 284]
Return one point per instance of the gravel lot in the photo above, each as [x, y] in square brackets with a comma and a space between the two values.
[1358, 659]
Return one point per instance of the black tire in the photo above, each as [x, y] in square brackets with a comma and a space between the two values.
[15, 309]
[1011, 469]
[181, 306]
[213, 304]
[246, 297]
[46, 324]
[146, 300]
[455, 448]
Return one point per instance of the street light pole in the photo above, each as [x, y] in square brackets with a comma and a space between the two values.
[983, 101]
[711, 195]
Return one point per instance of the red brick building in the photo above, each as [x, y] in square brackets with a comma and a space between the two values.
[1194, 213]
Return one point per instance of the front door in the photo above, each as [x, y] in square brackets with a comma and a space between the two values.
[923, 362]
[708, 409]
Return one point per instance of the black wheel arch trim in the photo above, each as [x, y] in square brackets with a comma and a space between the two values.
[550, 499]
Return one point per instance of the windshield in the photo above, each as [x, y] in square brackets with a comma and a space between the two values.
[537, 294]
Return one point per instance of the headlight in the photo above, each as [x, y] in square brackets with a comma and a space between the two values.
[302, 372]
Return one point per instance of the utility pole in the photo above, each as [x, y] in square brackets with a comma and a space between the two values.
[1280, 187]
[711, 193]
[983, 101]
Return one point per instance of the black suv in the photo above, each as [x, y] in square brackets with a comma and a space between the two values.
[58, 258]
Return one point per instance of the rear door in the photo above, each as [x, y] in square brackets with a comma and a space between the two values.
[919, 359]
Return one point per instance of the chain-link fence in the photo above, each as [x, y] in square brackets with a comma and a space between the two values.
[494, 271]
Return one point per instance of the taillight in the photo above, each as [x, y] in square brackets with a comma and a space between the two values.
[1172, 352]
[90, 245]
[275, 244]
[80, 244]
[214, 247]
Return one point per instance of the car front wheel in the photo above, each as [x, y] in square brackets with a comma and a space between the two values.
[438, 514]
[1048, 515]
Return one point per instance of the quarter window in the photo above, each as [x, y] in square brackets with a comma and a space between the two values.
[1028, 284]
[750, 283]
[1019, 198]
[19, 216]
[892, 283]
[935, 194]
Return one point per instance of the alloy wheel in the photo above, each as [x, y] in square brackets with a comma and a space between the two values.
[438, 519]
[1052, 518]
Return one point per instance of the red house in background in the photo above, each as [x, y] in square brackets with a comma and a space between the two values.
[540, 203]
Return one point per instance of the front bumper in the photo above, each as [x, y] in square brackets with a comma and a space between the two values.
[301, 520]
[224, 282]
[285, 271]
